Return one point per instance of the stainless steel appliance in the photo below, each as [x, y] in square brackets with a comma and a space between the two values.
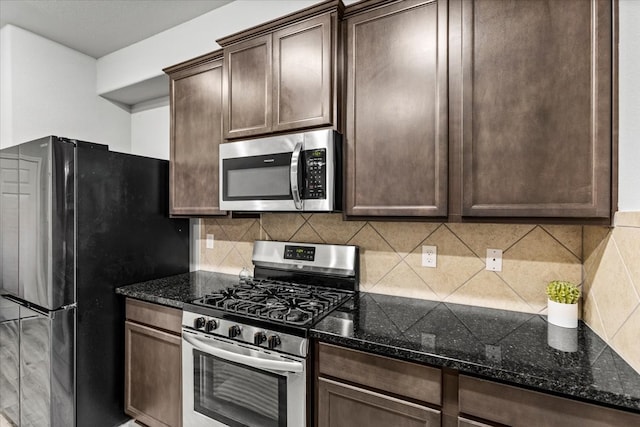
[76, 221]
[244, 350]
[294, 172]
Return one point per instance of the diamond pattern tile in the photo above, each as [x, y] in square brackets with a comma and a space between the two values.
[404, 237]
[480, 237]
[333, 229]
[377, 258]
[455, 263]
[569, 235]
[487, 289]
[613, 291]
[626, 341]
[211, 258]
[591, 316]
[235, 228]
[402, 281]
[533, 262]
[306, 234]
[282, 226]
[627, 240]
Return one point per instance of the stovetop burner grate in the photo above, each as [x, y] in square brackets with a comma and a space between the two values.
[272, 300]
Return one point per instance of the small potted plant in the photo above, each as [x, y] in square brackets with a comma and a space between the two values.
[562, 304]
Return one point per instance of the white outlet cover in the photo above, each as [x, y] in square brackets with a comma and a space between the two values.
[494, 259]
[210, 241]
[429, 256]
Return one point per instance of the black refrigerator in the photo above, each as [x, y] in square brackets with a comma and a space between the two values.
[76, 221]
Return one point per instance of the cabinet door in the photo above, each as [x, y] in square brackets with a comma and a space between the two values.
[343, 405]
[248, 75]
[196, 132]
[302, 83]
[397, 110]
[531, 107]
[153, 385]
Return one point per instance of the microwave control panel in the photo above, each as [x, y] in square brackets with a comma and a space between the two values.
[315, 174]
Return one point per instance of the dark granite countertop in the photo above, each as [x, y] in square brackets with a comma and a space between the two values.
[505, 346]
[174, 291]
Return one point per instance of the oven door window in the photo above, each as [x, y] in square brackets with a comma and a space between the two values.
[257, 177]
[238, 395]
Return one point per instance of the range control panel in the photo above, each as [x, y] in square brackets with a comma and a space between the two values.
[315, 173]
[300, 253]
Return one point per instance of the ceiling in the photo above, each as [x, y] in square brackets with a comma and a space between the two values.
[99, 27]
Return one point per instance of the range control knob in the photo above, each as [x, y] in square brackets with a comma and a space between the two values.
[211, 325]
[234, 331]
[273, 341]
[259, 338]
[199, 323]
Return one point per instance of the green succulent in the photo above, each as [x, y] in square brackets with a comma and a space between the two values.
[563, 292]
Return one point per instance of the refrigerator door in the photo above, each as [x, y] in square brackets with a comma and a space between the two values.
[37, 388]
[46, 237]
[9, 362]
[9, 220]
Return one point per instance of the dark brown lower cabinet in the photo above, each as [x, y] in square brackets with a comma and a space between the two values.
[153, 384]
[514, 406]
[361, 389]
[465, 422]
[343, 405]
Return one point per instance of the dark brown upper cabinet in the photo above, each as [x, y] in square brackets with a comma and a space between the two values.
[396, 116]
[531, 109]
[282, 75]
[196, 132]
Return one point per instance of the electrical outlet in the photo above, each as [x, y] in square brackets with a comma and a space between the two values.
[210, 241]
[494, 259]
[429, 255]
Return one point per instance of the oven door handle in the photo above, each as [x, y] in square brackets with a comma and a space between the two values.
[256, 362]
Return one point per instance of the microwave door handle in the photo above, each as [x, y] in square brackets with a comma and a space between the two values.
[294, 173]
[256, 362]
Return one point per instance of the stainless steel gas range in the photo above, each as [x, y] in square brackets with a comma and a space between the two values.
[245, 349]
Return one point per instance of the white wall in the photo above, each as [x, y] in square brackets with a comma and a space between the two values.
[150, 129]
[51, 90]
[629, 103]
[146, 59]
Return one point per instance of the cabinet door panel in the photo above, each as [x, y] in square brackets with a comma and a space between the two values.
[153, 384]
[536, 107]
[302, 74]
[515, 406]
[196, 133]
[247, 84]
[397, 110]
[342, 405]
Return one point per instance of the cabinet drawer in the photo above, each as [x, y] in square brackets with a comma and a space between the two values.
[342, 405]
[158, 316]
[394, 376]
[515, 406]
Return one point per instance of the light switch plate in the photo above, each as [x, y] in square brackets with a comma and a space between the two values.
[429, 255]
[494, 259]
[210, 241]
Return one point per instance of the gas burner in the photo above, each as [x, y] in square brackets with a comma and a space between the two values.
[273, 300]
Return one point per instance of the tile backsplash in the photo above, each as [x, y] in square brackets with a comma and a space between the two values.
[612, 284]
[605, 261]
[390, 255]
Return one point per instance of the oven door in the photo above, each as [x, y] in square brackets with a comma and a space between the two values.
[226, 383]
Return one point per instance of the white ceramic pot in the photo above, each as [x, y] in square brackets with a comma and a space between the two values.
[565, 315]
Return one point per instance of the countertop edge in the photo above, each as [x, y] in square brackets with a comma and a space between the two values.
[542, 385]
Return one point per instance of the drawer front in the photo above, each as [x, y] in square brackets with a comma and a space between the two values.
[155, 315]
[342, 405]
[519, 407]
[411, 380]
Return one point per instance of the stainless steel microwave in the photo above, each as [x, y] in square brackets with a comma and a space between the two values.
[295, 172]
